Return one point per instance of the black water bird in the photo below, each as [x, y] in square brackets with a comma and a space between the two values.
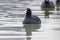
[58, 2]
[47, 4]
[30, 19]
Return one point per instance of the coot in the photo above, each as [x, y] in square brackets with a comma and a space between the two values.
[30, 19]
[58, 2]
[47, 4]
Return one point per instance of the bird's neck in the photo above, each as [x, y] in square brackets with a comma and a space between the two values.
[46, 2]
[28, 15]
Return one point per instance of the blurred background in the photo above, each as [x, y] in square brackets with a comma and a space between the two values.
[12, 14]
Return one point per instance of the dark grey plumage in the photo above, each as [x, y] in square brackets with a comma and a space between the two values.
[47, 4]
[31, 19]
[58, 2]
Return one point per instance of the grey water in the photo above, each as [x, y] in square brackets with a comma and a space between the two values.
[12, 14]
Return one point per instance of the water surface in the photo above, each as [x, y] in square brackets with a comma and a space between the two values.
[12, 14]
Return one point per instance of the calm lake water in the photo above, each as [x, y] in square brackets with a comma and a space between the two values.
[12, 14]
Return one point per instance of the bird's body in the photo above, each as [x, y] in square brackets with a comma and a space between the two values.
[33, 20]
[30, 19]
[58, 2]
[47, 4]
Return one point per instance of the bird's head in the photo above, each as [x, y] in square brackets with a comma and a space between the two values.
[28, 12]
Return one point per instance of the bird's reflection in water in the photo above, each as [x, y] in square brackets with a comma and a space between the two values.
[47, 13]
[28, 38]
[29, 28]
[58, 8]
[49, 9]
